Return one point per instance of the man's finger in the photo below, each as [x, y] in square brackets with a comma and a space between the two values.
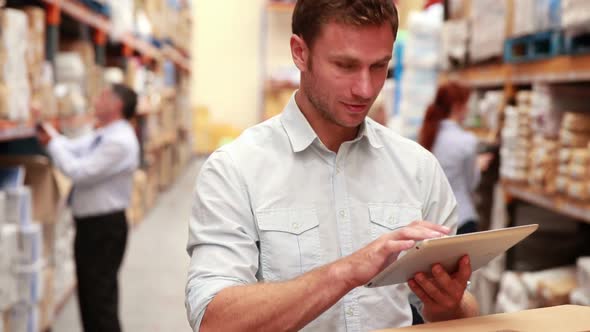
[413, 233]
[435, 227]
[433, 291]
[445, 283]
[420, 293]
[464, 272]
[394, 247]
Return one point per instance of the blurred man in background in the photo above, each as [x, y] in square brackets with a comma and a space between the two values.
[101, 166]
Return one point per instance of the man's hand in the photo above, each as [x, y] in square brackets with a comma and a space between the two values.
[42, 135]
[45, 133]
[360, 267]
[443, 294]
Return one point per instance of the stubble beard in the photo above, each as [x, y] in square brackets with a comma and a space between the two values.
[318, 99]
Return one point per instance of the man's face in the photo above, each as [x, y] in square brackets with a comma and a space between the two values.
[107, 107]
[346, 69]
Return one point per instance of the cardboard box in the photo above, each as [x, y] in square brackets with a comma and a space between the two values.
[47, 304]
[36, 44]
[44, 100]
[18, 205]
[152, 187]
[83, 48]
[561, 184]
[580, 156]
[573, 139]
[30, 244]
[579, 172]
[565, 155]
[577, 122]
[136, 210]
[166, 159]
[4, 322]
[50, 188]
[4, 105]
[23, 317]
[560, 318]
[29, 283]
[578, 190]
[459, 9]
[49, 239]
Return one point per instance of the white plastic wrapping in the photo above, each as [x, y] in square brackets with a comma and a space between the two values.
[575, 13]
[30, 243]
[13, 70]
[29, 283]
[18, 205]
[488, 24]
[24, 318]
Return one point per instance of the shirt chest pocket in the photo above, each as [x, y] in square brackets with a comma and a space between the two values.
[289, 242]
[387, 217]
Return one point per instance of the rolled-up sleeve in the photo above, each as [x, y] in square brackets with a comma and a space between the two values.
[222, 236]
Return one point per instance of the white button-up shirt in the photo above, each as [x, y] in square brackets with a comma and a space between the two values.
[276, 203]
[456, 150]
[101, 167]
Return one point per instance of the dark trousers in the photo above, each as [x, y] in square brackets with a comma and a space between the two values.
[99, 248]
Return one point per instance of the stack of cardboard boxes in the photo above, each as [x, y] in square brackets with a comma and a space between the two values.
[543, 164]
[92, 77]
[170, 20]
[43, 99]
[491, 22]
[581, 295]
[574, 157]
[14, 78]
[517, 139]
[137, 207]
[532, 16]
[22, 260]
[27, 260]
[575, 13]
[529, 290]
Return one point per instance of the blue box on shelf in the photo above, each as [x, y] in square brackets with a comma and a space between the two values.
[537, 46]
[97, 7]
[576, 42]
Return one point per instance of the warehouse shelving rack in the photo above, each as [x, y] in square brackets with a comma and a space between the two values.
[560, 69]
[130, 45]
[20, 136]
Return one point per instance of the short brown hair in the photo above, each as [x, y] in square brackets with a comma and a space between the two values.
[310, 15]
[128, 97]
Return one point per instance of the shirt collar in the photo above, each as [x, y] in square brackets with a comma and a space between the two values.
[110, 127]
[302, 135]
[448, 123]
[368, 130]
[299, 131]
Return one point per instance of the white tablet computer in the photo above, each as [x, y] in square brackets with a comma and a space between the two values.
[481, 247]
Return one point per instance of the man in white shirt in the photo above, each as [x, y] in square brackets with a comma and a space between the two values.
[101, 167]
[296, 215]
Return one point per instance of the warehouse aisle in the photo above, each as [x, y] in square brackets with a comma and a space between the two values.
[154, 272]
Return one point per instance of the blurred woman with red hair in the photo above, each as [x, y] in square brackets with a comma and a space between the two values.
[455, 149]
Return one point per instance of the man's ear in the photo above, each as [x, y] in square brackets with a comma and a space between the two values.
[299, 52]
[118, 104]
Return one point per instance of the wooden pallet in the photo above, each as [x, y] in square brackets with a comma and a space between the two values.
[538, 46]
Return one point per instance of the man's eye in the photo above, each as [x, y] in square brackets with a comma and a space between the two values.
[346, 66]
